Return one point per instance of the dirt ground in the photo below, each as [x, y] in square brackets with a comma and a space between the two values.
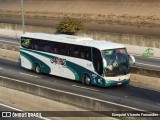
[116, 7]
[137, 13]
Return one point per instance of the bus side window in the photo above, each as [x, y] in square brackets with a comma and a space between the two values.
[81, 50]
[56, 48]
[64, 49]
[76, 51]
[46, 47]
[71, 50]
[88, 53]
[37, 44]
[40, 45]
[85, 53]
[67, 49]
[97, 61]
[34, 44]
[82, 54]
[52, 46]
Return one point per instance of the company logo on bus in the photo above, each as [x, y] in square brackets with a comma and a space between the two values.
[58, 61]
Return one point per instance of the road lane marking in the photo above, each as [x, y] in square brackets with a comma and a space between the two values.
[147, 64]
[13, 108]
[158, 104]
[8, 41]
[145, 68]
[137, 109]
[146, 57]
[1, 68]
[144, 87]
[29, 75]
[85, 88]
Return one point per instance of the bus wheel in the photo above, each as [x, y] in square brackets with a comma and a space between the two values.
[86, 79]
[37, 69]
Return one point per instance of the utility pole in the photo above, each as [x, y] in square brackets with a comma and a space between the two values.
[22, 10]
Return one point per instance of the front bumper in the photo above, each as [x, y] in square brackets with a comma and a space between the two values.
[117, 83]
[117, 80]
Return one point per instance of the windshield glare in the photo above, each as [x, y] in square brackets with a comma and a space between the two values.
[116, 62]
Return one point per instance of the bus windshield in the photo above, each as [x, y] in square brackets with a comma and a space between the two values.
[115, 62]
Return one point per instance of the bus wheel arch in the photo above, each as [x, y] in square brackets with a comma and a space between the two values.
[86, 79]
[37, 68]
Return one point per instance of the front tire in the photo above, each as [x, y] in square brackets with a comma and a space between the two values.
[86, 79]
[37, 69]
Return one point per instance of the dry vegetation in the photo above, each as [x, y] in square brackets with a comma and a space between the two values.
[124, 19]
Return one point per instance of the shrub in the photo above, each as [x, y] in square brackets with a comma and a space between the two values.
[69, 26]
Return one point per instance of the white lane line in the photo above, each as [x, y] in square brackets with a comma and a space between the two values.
[147, 64]
[146, 57]
[29, 75]
[85, 88]
[144, 87]
[158, 104]
[137, 109]
[145, 68]
[1, 68]
[13, 108]
[9, 41]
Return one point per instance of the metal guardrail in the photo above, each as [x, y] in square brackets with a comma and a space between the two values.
[83, 101]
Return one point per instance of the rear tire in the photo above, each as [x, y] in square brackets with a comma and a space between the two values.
[86, 80]
[37, 69]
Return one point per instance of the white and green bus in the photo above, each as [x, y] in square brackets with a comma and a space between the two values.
[78, 58]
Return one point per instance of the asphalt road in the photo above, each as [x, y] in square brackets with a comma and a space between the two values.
[144, 62]
[12, 112]
[128, 95]
[9, 40]
[147, 62]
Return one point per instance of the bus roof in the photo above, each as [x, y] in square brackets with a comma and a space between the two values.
[77, 40]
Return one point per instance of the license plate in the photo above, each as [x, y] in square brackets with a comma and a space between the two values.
[119, 83]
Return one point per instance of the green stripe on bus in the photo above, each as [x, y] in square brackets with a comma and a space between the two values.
[33, 60]
[52, 57]
[27, 57]
[76, 69]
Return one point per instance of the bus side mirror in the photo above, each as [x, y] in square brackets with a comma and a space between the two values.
[133, 61]
[104, 64]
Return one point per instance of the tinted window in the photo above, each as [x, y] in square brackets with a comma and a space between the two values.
[64, 49]
[71, 50]
[52, 46]
[85, 53]
[57, 48]
[97, 61]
